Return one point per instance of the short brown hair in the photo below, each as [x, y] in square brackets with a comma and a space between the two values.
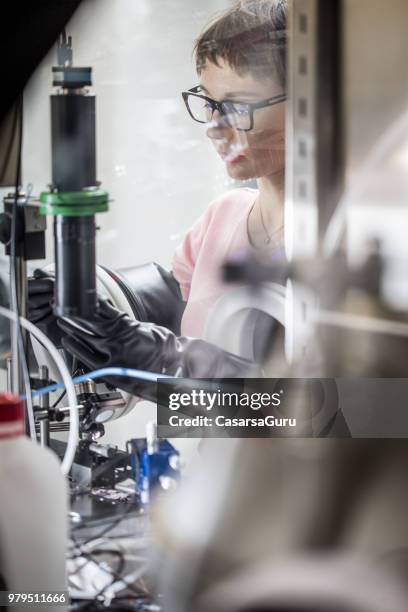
[250, 36]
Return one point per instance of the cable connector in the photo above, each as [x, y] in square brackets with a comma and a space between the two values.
[64, 49]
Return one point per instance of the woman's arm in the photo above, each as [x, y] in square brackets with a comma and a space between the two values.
[186, 254]
[113, 339]
[153, 293]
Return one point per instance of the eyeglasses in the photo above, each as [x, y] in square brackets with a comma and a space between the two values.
[239, 115]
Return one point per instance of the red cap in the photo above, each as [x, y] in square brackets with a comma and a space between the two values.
[11, 408]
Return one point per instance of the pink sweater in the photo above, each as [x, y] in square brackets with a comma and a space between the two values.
[220, 232]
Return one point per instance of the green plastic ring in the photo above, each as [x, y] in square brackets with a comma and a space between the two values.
[74, 203]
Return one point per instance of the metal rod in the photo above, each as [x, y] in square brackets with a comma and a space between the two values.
[44, 404]
[54, 427]
[15, 370]
[9, 375]
[22, 291]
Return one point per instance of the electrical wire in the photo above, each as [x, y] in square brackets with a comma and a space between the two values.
[101, 373]
[89, 557]
[74, 370]
[114, 573]
[134, 576]
[125, 582]
[73, 435]
[117, 573]
[59, 399]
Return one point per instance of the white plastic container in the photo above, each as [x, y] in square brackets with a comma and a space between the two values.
[33, 512]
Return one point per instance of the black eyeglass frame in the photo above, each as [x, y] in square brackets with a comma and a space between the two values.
[252, 106]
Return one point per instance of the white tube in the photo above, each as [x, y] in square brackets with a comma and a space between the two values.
[66, 377]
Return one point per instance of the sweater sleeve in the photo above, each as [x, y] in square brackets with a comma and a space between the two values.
[211, 227]
[186, 254]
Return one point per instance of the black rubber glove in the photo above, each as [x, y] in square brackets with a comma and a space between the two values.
[116, 340]
[40, 300]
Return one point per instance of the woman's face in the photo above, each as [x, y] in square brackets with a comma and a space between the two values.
[247, 155]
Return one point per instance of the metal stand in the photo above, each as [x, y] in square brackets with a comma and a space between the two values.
[29, 245]
[16, 381]
[43, 414]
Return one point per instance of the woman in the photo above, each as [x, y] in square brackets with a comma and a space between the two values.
[240, 62]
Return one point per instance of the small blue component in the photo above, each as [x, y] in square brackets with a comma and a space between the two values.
[150, 470]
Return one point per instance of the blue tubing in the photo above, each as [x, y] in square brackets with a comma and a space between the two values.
[140, 374]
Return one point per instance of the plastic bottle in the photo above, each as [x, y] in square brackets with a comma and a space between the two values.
[33, 512]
